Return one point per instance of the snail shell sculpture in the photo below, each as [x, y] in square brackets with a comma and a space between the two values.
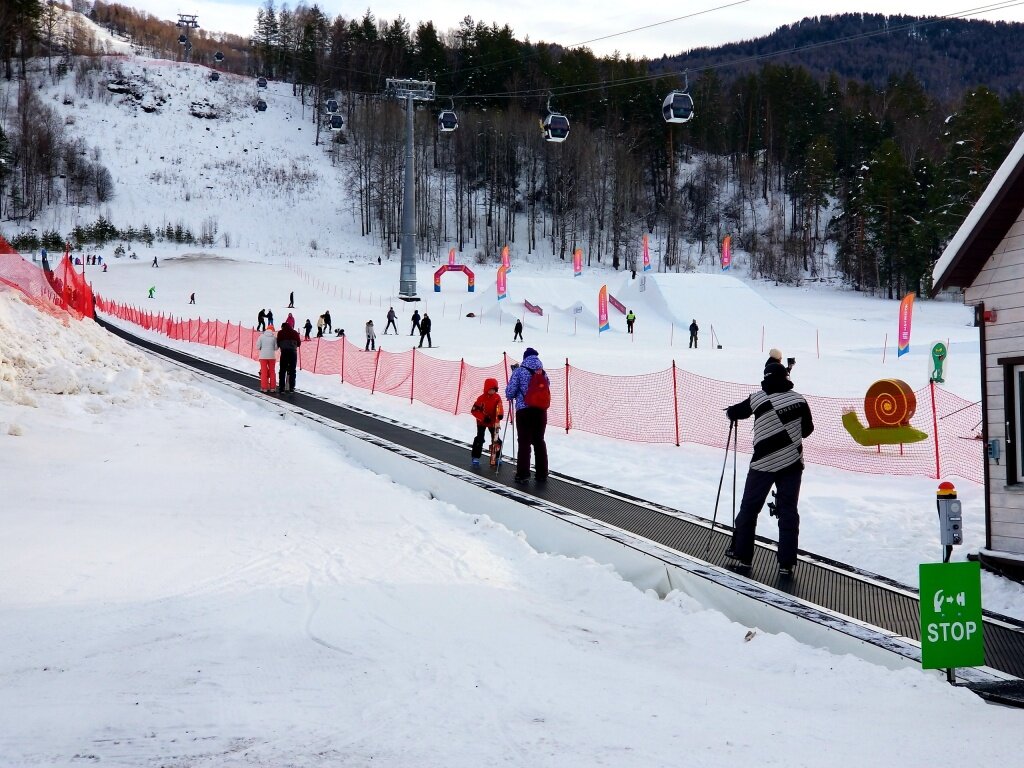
[888, 405]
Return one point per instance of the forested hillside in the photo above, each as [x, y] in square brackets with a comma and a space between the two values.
[812, 170]
[948, 55]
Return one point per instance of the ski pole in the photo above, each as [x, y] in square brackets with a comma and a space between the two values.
[725, 461]
[735, 446]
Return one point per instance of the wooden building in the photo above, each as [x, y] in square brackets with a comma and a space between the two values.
[986, 260]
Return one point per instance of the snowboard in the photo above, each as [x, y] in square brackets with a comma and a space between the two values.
[496, 453]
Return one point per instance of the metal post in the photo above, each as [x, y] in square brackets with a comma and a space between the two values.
[407, 282]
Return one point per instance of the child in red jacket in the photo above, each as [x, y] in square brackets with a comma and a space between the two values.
[489, 412]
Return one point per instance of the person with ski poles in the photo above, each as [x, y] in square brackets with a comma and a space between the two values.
[489, 412]
[530, 388]
[391, 321]
[517, 331]
[782, 419]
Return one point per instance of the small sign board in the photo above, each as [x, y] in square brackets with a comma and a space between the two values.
[951, 624]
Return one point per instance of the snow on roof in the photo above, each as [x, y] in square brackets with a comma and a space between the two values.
[978, 211]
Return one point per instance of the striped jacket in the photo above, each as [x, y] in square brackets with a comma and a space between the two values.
[781, 421]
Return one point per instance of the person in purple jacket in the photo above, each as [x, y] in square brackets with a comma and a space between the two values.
[531, 421]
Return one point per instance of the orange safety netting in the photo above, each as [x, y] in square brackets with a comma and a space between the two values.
[670, 406]
[63, 288]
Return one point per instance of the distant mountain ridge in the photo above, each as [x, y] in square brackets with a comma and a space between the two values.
[949, 56]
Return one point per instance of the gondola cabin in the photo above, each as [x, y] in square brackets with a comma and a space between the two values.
[677, 107]
[218, 57]
[214, 76]
[556, 127]
[261, 105]
[332, 106]
[337, 122]
[182, 39]
[261, 82]
[447, 121]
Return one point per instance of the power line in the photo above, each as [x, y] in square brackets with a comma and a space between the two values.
[569, 90]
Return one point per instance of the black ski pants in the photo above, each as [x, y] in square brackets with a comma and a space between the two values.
[391, 324]
[693, 340]
[531, 424]
[415, 328]
[286, 370]
[478, 441]
[787, 495]
[427, 337]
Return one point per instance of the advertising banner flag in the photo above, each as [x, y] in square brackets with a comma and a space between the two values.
[647, 256]
[451, 257]
[602, 309]
[502, 291]
[906, 313]
[504, 259]
[577, 262]
[726, 252]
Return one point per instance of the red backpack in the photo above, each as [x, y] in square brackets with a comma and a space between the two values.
[538, 393]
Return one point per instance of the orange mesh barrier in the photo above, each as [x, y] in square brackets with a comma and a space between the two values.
[669, 406]
[63, 288]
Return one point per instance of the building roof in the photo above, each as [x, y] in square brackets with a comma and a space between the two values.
[985, 226]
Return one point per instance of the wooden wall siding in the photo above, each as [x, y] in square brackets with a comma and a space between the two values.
[1000, 284]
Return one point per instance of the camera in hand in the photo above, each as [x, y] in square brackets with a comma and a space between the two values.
[790, 362]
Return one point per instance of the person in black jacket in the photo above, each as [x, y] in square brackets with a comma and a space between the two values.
[782, 419]
[415, 322]
[288, 342]
[308, 327]
[327, 320]
[517, 332]
[693, 333]
[425, 330]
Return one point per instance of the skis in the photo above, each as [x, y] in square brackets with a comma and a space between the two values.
[496, 453]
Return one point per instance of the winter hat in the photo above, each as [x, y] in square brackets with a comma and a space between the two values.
[490, 384]
[776, 378]
[271, 327]
[528, 352]
[775, 354]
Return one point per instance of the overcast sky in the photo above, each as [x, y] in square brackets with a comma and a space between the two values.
[577, 21]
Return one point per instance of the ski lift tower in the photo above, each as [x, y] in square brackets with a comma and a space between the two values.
[187, 21]
[409, 91]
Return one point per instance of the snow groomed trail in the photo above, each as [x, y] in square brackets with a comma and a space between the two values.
[828, 604]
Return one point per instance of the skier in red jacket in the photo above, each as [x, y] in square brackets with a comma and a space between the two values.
[489, 412]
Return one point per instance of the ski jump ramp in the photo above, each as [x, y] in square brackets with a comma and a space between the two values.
[671, 298]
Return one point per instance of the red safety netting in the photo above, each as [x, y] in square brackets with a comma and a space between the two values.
[669, 406]
[63, 288]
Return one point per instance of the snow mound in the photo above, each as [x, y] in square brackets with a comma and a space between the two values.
[42, 354]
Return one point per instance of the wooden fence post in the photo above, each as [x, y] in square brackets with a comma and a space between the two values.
[376, 362]
[567, 395]
[675, 400]
[458, 391]
[412, 381]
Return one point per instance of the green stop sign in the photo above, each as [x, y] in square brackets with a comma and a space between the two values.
[951, 625]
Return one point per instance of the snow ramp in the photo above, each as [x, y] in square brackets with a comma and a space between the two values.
[726, 303]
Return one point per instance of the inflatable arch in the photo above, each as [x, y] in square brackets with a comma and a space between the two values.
[454, 268]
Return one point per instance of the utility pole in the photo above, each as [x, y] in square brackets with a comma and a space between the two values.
[411, 91]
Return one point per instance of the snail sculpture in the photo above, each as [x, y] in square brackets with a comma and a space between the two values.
[889, 405]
